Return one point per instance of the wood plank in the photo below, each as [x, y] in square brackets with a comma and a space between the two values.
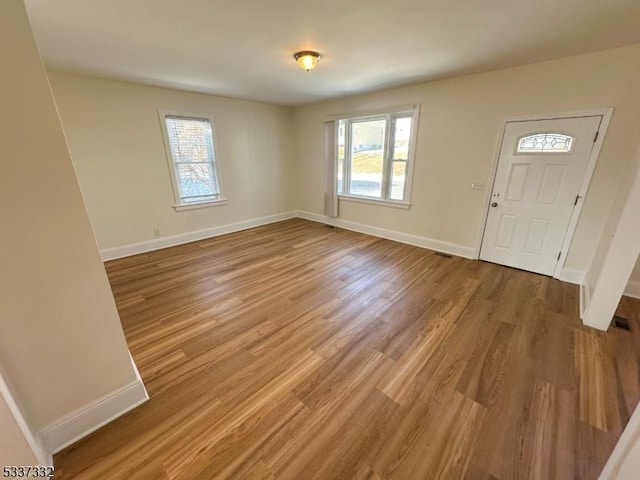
[597, 405]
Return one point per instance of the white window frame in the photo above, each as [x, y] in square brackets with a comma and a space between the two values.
[179, 205]
[389, 115]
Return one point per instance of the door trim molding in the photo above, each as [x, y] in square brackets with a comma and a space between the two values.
[606, 114]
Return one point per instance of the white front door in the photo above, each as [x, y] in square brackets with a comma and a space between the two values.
[540, 170]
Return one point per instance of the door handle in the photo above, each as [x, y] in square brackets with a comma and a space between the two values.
[494, 204]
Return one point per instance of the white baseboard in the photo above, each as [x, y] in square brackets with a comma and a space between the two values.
[173, 240]
[571, 275]
[633, 289]
[83, 421]
[418, 241]
[585, 298]
[568, 274]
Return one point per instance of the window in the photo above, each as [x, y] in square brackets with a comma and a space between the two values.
[545, 143]
[192, 160]
[375, 156]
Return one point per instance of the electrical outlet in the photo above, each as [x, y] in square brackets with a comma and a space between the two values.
[477, 186]
[156, 232]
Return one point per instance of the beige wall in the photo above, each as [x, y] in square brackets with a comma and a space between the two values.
[624, 462]
[61, 342]
[14, 449]
[116, 143]
[459, 124]
[631, 463]
[635, 276]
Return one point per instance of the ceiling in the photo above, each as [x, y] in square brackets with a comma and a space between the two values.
[244, 48]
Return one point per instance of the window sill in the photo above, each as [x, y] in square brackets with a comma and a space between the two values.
[372, 201]
[194, 206]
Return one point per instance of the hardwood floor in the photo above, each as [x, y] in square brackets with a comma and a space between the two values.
[298, 351]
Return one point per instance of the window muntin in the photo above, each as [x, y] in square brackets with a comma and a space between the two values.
[400, 156]
[545, 143]
[192, 158]
[374, 156]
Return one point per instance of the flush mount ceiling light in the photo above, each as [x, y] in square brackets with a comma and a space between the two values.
[307, 59]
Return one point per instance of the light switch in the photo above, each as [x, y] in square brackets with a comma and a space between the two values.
[477, 186]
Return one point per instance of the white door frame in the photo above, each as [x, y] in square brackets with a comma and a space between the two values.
[606, 114]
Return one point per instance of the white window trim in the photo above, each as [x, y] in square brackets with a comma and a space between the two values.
[374, 201]
[372, 115]
[179, 205]
[197, 205]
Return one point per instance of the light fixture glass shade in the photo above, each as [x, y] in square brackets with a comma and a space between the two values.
[307, 59]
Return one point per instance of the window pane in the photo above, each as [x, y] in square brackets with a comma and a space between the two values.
[341, 139]
[190, 139]
[196, 180]
[402, 136]
[191, 145]
[545, 143]
[367, 144]
[398, 176]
